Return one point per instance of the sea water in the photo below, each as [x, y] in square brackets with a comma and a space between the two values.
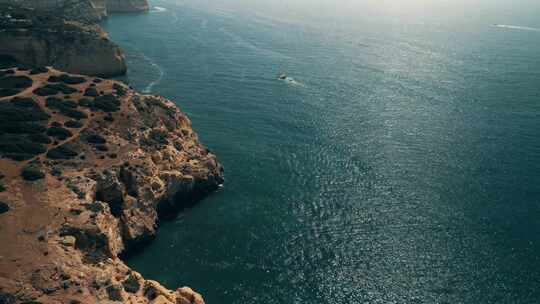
[397, 162]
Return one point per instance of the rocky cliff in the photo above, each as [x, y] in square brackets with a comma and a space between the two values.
[80, 10]
[86, 167]
[90, 11]
[39, 39]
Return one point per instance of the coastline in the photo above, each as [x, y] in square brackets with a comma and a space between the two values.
[110, 164]
[88, 183]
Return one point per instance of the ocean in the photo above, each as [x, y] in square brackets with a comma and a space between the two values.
[398, 161]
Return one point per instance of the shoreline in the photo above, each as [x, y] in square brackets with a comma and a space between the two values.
[94, 187]
[91, 191]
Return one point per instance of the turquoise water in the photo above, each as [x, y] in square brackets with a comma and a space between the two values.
[398, 163]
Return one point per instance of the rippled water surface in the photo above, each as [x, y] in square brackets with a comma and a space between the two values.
[399, 162]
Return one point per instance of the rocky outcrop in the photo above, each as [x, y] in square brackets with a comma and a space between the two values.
[83, 11]
[39, 39]
[80, 10]
[87, 166]
[87, 11]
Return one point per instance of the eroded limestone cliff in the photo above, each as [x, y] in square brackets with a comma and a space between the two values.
[39, 39]
[86, 166]
[82, 10]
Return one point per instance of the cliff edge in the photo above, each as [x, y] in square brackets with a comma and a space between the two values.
[87, 165]
[42, 39]
[88, 11]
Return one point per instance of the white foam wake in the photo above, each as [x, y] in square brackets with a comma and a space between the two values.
[249, 45]
[148, 89]
[161, 73]
[293, 82]
[204, 24]
[158, 9]
[517, 27]
[174, 17]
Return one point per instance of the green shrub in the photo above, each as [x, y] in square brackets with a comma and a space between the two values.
[131, 284]
[115, 293]
[53, 89]
[39, 70]
[9, 92]
[68, 79]
[96, 139]
[32, 173]
[91, 92]
[59, 133]
[107, 103]
[66, 107]
[73, 124]
[19, 147]
[3, 207]
[61, 152]
[15, 82]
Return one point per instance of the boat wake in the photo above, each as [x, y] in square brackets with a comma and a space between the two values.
[291, 81]
[516, 27]
[140, 55]
[174, 18]
[249, 45]
[204, 24]
[161, 73]
[158, 9]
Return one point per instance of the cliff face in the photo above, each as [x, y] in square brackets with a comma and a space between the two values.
[86, 166]
[42, 39]
[80, 10]
[90, 11]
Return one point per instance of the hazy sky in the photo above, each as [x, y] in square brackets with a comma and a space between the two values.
[526, 12]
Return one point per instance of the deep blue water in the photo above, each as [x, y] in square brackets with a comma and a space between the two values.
[398, 163]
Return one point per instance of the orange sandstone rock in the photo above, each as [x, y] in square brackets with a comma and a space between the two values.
[129, 159]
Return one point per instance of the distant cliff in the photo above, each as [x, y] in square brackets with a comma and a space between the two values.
[42, 39]
[88, 11]
[80, 10]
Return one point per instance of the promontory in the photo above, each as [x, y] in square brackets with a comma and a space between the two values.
[87, 166]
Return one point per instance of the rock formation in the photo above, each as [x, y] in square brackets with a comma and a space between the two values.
[86, 167]
[39, 39]
[89, 11]
[80, 10]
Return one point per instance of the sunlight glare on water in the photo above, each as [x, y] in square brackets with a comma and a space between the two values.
[397, 162]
